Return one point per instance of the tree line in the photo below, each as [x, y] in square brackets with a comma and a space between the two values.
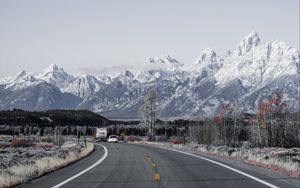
[273, 125]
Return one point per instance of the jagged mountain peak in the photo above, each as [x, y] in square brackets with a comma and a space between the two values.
[21, 74]
[267, 62]
[53, 69]
[170, 59]
[56, 76]
[208, 55]
[127, 73]
[167, 59]
[25, 76]
[248, 42]
[52, 66]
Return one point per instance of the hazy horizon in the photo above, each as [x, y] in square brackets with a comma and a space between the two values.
[94, 35]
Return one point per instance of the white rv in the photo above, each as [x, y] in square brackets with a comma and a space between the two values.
[101, 134]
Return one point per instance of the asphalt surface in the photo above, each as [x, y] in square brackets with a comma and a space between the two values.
[133, 165]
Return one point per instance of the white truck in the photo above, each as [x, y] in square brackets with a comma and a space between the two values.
[101, 134]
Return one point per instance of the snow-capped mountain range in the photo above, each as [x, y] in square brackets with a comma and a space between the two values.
[248, 73]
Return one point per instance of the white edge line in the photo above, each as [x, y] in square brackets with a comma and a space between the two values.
[223, 165]
[84, 171]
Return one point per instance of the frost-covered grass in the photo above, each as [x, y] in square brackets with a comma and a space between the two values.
[283, 160]
[13, 175]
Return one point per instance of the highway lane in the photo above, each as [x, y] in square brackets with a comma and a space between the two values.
[132, 165]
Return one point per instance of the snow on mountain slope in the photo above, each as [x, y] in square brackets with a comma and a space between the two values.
[56, 76]
[207, 64]
[83, 86]
[248, 43]
[22, 80]
[253, 70]
[208, 56]
[258, 64]
[27, 92]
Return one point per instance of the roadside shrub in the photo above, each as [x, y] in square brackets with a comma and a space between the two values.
[177, 140]
[21, 143]
[44, 145]
[133, 138]
[47, 139]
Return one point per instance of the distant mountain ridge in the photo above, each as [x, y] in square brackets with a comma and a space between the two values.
[251, 71]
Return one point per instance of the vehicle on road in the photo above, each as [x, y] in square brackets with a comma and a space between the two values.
[101, 134]
[112, 138]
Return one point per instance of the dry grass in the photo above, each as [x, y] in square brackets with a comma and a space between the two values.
[22, 173]
[289, 167]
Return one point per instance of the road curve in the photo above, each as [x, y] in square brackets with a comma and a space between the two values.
[132, 165]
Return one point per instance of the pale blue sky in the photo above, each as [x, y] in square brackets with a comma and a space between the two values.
[96, 34]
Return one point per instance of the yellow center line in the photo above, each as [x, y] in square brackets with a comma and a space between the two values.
[156, 176]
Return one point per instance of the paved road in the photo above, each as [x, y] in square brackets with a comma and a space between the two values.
[131, 165]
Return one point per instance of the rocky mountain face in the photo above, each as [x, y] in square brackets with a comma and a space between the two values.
[248, 73]
[26, 91]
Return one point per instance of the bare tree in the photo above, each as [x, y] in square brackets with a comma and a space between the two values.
[149, 112]
[235, 112]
